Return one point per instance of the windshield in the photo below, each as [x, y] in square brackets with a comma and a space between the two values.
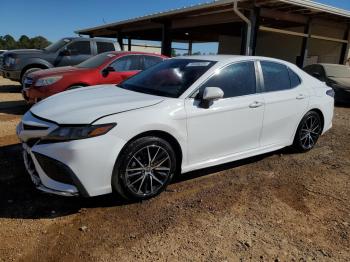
[54, 47]
[337, 71]
[95, 61]
[170, 78]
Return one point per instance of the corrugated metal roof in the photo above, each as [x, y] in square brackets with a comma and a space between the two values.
[302, 3]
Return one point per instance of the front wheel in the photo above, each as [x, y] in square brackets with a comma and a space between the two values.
[144, 168]
[309, 130]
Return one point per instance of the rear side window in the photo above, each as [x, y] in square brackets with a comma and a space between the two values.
[104, 47]
[235, 80]
[294, 78]
[151, 60]
[80, 48]
[276, 76]
[127, 63]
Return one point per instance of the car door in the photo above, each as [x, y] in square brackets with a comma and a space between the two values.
[230, 125]
[286, 100]
[74, 53]
[124, 67]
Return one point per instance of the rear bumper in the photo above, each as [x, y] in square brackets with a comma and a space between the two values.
[11, 74]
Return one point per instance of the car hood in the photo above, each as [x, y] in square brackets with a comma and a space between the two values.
[344, 82]
[56, 71]
[85, 105]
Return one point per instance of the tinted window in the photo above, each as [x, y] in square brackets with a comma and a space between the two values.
[170, 78]
[95, 61]
[80, 48]
[294, 78]
[104, 47]
[151, 60]
[276, 76]
[235, 80]
[127, 63]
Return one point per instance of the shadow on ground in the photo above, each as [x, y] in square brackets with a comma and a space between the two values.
[11, 89]
[14, 107]
[19, 198]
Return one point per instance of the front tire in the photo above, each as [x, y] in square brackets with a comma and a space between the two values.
[144, 169]
[308, 132]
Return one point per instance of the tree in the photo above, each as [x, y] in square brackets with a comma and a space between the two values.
[10, 42]
[39, 42]
[24, 42]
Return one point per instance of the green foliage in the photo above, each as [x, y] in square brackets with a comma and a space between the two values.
[7, 42]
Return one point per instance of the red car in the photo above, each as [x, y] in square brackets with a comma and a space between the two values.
[105, 68]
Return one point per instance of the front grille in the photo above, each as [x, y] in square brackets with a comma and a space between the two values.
[33, 128]
[55, 169]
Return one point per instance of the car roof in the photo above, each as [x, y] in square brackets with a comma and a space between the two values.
[118, 53]
[233, 58]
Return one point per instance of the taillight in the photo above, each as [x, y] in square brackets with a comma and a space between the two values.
[330, 92]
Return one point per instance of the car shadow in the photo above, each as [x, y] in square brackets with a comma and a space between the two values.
[20, 199]
[11, 89]
[14, 107]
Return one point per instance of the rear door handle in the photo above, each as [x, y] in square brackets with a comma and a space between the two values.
[301, 96]
[256, 104]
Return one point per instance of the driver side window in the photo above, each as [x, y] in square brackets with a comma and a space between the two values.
[127, 63]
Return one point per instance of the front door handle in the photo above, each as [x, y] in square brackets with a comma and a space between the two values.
[256, 104]
[301, 96]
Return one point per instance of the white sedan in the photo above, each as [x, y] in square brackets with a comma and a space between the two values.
[180, 115]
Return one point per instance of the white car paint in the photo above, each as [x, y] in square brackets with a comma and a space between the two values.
[230, 129]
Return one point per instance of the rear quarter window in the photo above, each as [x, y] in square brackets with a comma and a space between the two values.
[104, 47]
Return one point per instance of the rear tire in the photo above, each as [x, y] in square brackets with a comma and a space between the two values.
[27, 72]
[144, 168]
[308, 132]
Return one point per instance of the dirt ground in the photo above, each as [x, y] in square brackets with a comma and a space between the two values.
[281, 206]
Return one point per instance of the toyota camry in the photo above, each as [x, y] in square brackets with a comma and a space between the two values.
[180, 115]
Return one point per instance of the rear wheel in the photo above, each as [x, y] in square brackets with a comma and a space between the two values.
[309, 130]
[144, 168]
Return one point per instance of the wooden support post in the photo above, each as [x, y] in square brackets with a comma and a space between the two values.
[120, 40]
[129, 44]
[345, 48]
[255, 19]
[305, 45]
[166, 39]
[190, 47]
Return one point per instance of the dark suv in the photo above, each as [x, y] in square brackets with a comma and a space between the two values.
[17, 64]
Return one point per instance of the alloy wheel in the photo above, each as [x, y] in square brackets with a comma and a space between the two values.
[310, 132]
[148, 170]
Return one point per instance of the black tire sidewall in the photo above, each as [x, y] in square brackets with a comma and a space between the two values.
[118, 177]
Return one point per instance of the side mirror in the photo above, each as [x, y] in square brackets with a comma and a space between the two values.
[107, 70]
[210, 94]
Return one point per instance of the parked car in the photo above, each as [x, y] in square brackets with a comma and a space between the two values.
[177, 116]
[105, 68]
[17, 64]
[335, 76]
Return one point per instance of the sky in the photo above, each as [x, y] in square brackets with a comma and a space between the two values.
[55, 19]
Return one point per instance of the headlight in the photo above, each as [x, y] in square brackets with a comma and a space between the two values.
[67, 133]
[10, 61]
[46, 81]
